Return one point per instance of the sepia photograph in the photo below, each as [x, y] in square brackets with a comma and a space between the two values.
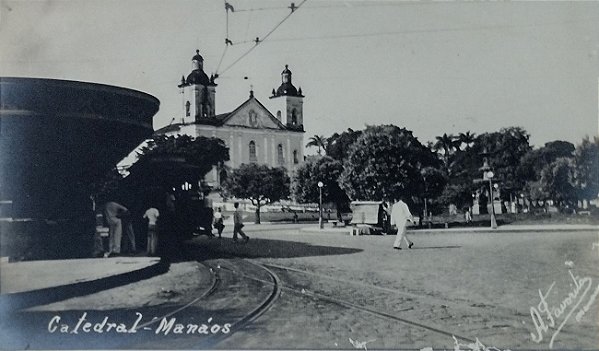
[299, 174]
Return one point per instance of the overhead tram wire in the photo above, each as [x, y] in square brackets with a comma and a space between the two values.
[258, 41]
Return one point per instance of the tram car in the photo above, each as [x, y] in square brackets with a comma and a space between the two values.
[194, 213]
[152, 179]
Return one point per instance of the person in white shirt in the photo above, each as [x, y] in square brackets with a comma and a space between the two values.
[218, 222]
[152, 215]
[400, 215]
[238, 224]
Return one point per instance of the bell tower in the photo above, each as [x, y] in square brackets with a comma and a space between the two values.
[198, 92]
[288, 102]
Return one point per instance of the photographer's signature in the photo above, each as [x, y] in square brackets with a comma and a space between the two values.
[552, 318]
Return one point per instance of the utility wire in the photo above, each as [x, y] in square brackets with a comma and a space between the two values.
[259, 41]
[260, 9]
[433, 30]
[222, 57]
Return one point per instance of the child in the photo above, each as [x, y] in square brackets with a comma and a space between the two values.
[152, 215]
[218, 222]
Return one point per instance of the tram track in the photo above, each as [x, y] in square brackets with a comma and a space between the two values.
[280, 286]
[266, 304]
[214, 285]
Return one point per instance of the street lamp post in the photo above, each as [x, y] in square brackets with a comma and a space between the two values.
[489, 175]
[320, 224]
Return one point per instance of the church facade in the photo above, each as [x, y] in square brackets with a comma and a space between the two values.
[252, 132]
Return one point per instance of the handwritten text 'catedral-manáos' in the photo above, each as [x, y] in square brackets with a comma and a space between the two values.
[164, 326]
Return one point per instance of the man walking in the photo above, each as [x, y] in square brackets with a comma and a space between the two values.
[238, 224]
[400, 215]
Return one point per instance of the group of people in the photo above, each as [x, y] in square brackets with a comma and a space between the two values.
[118, 219]
[237, 223]
[397, 216]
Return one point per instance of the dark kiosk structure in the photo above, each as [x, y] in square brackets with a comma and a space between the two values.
[56, 138]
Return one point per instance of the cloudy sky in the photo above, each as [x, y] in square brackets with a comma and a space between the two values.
[432, 67]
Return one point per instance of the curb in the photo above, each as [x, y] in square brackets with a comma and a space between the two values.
[16, 301]
[465, 230]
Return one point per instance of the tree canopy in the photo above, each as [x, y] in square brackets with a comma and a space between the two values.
[258, 183]
[587, 168]
[558, 182]
[200, 152]
[319, 169]
[385, 162]
[338, 144]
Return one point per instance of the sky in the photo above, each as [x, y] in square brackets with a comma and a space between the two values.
[431, 67]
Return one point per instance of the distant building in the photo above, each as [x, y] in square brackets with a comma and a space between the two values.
[252, 133]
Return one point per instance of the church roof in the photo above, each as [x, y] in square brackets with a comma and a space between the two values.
[252, 98]
[221, 119]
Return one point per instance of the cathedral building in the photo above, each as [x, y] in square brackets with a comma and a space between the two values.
[251, 132]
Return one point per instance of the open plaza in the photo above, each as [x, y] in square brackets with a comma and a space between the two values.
[296, 286]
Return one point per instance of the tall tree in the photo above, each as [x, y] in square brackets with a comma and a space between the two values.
[533, 162]
[385, 162]
[324, 169]
[318, 141]
[505, 149]
[587, 168]
[557, 180]
[435, 181]
[260, 184]
[466, 139]
[447, 143]
[338, 144]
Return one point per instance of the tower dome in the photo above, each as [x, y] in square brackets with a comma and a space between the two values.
[197, 75]
[197, 57]
[286, 88]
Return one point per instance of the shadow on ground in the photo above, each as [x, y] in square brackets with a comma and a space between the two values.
[435, 247]
[203, 248]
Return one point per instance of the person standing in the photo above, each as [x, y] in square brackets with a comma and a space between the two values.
[218, 222]
[152, 215]
[128, 228]
[468, 215]
[238, 224]
[112, 215]
[400, 215]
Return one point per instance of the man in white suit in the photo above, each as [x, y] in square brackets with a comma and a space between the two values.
[400, 215]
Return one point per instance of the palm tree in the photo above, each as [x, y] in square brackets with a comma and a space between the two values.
[467, 139]
[446, 143]
[318, 141]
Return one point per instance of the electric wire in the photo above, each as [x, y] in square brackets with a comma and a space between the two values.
[259, 41]
[222, 57]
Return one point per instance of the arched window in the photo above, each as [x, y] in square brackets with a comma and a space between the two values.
[279, 115]
[294, 117]
[187, 109]
[281, 157]
[253, 158]
[295, 160]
